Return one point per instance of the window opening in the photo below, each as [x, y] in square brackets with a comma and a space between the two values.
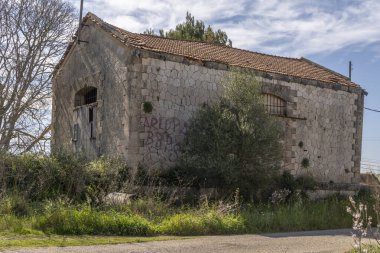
[274, 105]
[92, 130]
[90, 96]
[90, 115]
[86, 96]
[75, 132]
[91, 121]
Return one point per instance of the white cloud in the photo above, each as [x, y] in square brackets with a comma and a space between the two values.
[285, 27]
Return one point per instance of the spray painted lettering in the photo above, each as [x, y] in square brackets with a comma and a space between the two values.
[164, 136]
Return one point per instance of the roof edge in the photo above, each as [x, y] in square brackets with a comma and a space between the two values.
[122, 35]
[323, 67]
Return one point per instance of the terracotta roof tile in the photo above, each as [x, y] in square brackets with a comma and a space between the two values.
[203, 51]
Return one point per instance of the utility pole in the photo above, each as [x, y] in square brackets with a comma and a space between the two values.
[80, 12]
[80, 23]
[349, 69]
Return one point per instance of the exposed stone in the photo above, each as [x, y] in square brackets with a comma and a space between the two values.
[327, 120]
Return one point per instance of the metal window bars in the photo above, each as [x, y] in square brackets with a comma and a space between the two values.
[274, 105]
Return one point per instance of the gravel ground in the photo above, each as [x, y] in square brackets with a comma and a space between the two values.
[311, 241]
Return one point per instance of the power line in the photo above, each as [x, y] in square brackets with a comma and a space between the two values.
[369, 109]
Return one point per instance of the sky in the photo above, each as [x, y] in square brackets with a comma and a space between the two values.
[329, 32]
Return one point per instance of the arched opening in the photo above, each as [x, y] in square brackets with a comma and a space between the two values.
[274, 105]
[84, 117]
[86, 96]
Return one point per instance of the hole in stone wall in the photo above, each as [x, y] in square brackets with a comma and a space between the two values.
[300, 144]
[147, 107]
[305, 162]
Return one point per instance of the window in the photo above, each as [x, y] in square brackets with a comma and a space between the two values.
[75, 132]
[90, 114]
[274, 105]
[86, 96]
[90, 96]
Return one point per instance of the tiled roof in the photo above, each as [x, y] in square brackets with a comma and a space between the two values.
[209, 52]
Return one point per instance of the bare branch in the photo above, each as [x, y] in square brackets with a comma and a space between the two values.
[33, 35]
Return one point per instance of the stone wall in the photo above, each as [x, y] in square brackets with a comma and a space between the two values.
[323, 123]
[175, 90]
[319, 128]
[100, 63]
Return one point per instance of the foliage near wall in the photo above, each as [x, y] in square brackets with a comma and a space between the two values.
[37, 178]
[233, 143]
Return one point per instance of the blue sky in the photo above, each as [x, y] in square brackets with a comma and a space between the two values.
[329, 32]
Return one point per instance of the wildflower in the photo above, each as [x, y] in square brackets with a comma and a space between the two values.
[361, 222]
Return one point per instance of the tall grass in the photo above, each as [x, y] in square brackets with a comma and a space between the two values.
[63, 195]
[86, 221]
[306, 215]
[131, 220]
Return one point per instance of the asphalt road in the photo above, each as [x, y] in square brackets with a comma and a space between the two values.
[311, 241]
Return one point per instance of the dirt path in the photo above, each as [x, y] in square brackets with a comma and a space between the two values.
[311, 241]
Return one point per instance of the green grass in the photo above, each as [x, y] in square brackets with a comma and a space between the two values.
[16, 241]
[202, 220]
[202, 224]
[87, 221]
[299, 216]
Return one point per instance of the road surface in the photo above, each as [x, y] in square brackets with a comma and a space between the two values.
[311, 241]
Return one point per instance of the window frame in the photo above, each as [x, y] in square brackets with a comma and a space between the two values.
[274, 105]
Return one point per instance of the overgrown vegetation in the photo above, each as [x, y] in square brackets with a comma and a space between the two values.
[38, 199]
[362, 223]
[36, 178]
[203, 219]
[233, 143]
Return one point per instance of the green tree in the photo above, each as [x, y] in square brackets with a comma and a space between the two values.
[193, 29]
[233, 143]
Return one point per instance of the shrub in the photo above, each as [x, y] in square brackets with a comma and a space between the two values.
[14, 205]
[37, 178]
[234, 143]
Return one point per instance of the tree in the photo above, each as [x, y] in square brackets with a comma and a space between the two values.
[196, 30]
[33, 36]
[233, 143]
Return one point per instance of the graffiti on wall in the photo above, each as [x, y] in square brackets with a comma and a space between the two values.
[163, 136]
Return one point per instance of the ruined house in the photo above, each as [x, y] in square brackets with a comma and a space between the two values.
[127, 94]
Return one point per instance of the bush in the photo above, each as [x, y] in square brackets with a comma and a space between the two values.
[234, 143]
[14, 205]
[36, 178]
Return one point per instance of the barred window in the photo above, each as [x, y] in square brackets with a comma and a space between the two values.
[90, 96]
[274, 105]
[86, 96]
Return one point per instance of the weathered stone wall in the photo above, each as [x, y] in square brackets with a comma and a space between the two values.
[175, 90]
[100, 63]
[323, 123]
[319, 127]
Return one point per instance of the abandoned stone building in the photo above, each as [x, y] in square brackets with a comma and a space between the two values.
[127, 94]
